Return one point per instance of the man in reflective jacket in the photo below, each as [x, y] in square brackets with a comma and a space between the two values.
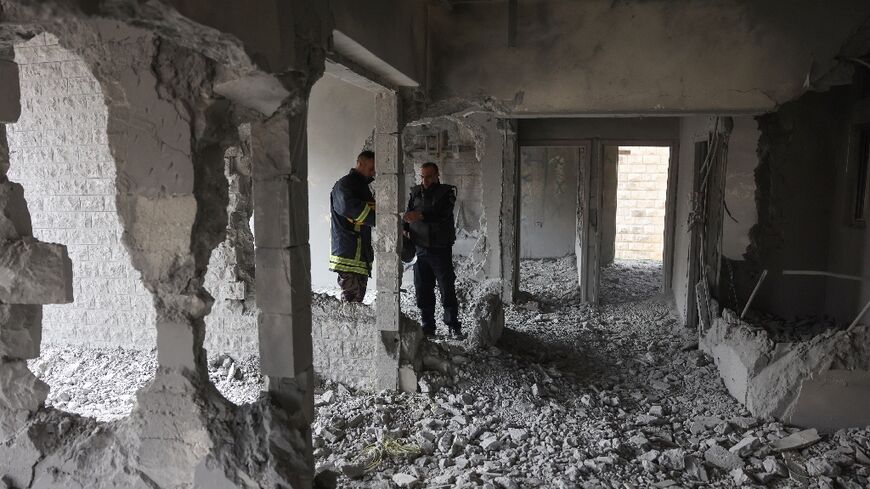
[352, 206]
[430, 224]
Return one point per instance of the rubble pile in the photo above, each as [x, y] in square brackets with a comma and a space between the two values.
[613, 396]
[781, 330]
[101, 383]
[630, 280]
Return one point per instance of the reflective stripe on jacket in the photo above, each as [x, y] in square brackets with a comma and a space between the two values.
[352, 209]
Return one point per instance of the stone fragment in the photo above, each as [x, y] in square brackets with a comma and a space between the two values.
[324, 399]
[696, 469]
[20, 330]
[722, 458]
[674, 459]
[818, 466]
[353, 471]
[405, 480]
[796, 441]
[649, 456]
[518, 435]
[745, 446]
[774, 466]
[35, 273]
[739, 476]
[21, 393]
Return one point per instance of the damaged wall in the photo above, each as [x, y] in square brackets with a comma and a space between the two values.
[59, 153]
[341, 119]
[740, 187]
[586, 57]
[548, 201]
[802, 149]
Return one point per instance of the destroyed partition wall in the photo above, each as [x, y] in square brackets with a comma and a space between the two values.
[802, 150]
[59, 153]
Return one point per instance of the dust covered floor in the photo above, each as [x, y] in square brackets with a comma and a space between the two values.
[613, 396]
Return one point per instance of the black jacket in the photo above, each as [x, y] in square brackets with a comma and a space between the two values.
[437, 229]
[352, 206]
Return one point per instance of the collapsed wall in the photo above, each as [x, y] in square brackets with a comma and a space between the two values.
[59, 153]
[168, 132]
[822, 382]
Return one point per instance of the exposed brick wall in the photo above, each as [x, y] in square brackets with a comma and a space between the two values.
[60, 155]
[641, 197]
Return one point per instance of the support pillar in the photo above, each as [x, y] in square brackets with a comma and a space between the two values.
[510, 213]
[389, 193]
[283, 278]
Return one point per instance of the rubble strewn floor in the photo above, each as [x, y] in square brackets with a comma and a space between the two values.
[613, 396]
[102, 382]
[630, 280]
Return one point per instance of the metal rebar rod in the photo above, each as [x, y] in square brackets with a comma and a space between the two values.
[752, 295]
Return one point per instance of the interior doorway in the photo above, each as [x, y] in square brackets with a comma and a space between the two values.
[633, 228]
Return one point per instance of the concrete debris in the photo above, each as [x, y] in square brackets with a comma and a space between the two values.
[796, 441]
[482, 427]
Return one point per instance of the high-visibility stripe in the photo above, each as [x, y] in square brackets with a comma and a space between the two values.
[347, 261]
[336, 267]
[365, 212]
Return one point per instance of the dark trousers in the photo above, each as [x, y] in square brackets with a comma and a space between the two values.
[436, 265]
[353, 286]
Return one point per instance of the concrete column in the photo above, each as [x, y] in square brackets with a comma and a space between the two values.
[389, 193]
[510, 213]
[283, 271]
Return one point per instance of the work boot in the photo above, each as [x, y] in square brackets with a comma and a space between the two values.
[457, 334]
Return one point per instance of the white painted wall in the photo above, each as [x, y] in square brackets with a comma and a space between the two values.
[341, 117]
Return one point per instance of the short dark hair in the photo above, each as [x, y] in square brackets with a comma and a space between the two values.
[366, 155]
[431, 165]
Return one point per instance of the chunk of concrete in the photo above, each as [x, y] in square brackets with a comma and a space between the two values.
[796, 441]
[35, 273]
[832, 400]
[21, 394]
[20, 330]
[14, 217]
[722, 458]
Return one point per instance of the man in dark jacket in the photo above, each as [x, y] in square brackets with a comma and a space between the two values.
[430, 223]
[352, 206]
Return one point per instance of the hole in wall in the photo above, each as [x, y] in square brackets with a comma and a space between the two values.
[231, 327]
[97, 351]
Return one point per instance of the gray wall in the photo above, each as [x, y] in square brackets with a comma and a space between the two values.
[550, 131]
[591, 57]
[341, 117]
[740, 187]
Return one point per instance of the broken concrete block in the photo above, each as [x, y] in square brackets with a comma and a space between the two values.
[17, 460]
[488, 310]
[746, 446]
[722, 458]
[176, 343]
[285, 343]
[21, 393]
[279, 147]
[283, 279]
[407, 379]
[796, 441]
[14, 217]
[832, 400]
[20, 330]
[281, 212]
[35, 273]
[387, 311]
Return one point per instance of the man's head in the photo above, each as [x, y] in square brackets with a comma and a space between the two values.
[429, 174]
[365, 164]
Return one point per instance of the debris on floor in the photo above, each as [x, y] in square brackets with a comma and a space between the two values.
[611, 396]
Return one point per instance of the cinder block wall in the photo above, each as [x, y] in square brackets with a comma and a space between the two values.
[60, 155]
[641, 197]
